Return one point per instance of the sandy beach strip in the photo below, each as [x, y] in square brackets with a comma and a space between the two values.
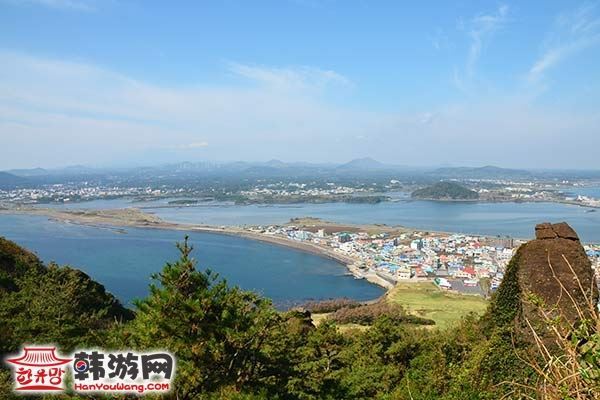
[131, 217]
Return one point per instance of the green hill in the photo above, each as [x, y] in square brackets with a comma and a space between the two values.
[10, 181]
[445, 191]
[50, 304]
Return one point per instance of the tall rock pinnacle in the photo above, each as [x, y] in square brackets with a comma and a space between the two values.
[552, 271]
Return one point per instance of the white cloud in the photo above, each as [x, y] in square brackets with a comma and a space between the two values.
[188, 146]
[439, 40]
[55, 112]
[480, 29]
[426, 118]
[573, 33]
[197, 145]
[479, 32]
[290, 77]
[96, 113]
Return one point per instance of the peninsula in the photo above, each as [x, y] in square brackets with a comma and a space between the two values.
[381, 254]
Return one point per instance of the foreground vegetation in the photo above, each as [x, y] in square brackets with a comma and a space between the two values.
[232, 344]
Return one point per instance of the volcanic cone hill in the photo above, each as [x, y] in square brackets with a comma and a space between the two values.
[445, 191]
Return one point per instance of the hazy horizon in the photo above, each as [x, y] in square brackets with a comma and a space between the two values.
[479, 83]
[117, 166]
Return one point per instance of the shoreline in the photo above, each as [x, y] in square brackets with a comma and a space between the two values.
[138, 218]
[300, 203]
[500, 201]
[134, 218]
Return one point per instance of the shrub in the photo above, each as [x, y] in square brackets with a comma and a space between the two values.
[331, 305]
[366, 314]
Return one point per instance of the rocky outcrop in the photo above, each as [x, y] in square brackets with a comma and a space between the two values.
[556, 271]
[552, 273]
[555, 231]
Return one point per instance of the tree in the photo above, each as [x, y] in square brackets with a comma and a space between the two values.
[220, 335]
[317, 365]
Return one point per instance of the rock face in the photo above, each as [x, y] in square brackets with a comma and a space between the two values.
[555, 231]
[552, 272]
[555, 268]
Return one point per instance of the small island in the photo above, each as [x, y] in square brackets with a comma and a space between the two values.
[445, 191]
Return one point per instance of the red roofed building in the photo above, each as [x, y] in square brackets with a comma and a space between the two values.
[470, 271]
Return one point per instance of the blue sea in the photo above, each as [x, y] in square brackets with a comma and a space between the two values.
[506, 219]
[124, 258]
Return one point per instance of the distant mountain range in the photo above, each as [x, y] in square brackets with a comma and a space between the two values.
[273, 169]
[70, 170]
[9, 181]
[363, 164]
[489, 171]
[28, 172]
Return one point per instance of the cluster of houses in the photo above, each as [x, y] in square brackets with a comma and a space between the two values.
[593, 252]
[282, 189]
[452, 261]
[585, 200]
[75, 192]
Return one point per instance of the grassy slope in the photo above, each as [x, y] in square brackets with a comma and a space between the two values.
[424, 299]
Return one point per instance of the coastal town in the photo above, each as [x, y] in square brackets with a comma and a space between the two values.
[456, 262]
[80, 192]
[288, 190]
[281, 192]
[464, 263]
[383, 255]
[468, 264]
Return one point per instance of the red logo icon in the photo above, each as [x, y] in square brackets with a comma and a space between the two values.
[38, 369]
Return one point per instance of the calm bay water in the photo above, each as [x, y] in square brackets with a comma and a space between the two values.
[124, 259]
[512, 219]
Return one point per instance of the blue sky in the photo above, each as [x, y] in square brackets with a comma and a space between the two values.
[121, 82]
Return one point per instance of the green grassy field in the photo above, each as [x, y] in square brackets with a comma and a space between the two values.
[424, 299]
